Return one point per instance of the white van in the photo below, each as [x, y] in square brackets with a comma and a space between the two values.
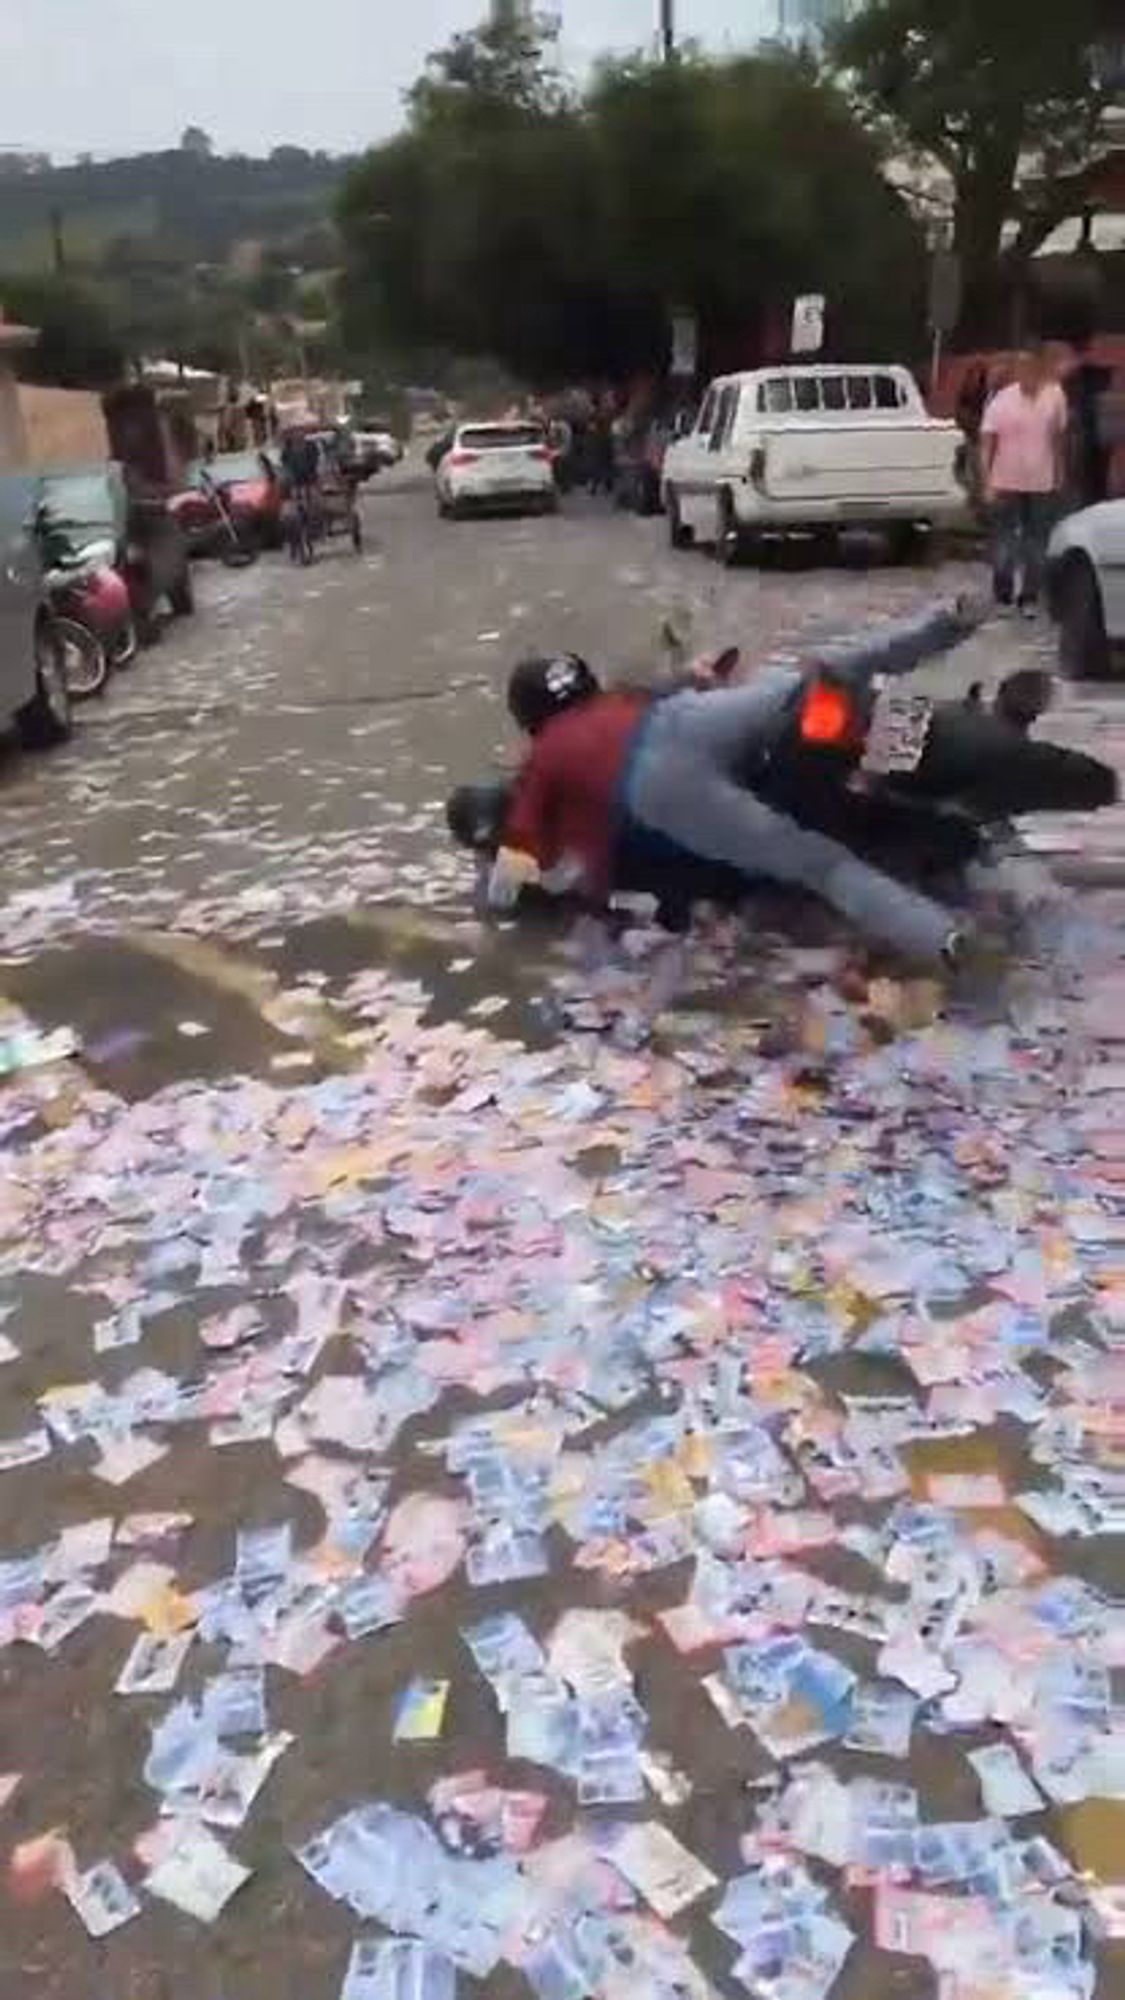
[812, 449]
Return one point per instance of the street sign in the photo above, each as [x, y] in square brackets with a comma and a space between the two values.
[685, 343]
[945, 291]
[807, 336]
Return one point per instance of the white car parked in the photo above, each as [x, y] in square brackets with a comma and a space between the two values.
[822, 448]
[494, 466]
[1086, 588]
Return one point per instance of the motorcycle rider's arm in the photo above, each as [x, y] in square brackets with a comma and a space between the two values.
[525, 845]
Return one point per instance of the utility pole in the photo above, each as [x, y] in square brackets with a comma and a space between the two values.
[668, 30]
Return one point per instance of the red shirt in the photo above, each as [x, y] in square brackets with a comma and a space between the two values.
[563, 803]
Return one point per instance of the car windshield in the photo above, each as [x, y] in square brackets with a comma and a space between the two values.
[225, 467]
[500, 437]
[80, 500]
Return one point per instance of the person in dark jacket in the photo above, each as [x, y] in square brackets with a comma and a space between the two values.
[1085, 385]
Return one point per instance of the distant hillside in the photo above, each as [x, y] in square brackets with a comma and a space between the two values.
[181, 205]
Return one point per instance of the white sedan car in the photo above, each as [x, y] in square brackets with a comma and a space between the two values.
[496, 465]
[1086, 588]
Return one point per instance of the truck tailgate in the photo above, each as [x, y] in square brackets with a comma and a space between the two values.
[859, 461]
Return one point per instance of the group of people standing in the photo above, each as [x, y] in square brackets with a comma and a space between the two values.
[1040, 443]
[583, 430]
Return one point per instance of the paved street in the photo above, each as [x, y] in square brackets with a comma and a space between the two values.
[335, 1171]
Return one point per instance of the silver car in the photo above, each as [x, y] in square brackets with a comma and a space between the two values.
[33, 691]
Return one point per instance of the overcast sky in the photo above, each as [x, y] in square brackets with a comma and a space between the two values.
[125, 76]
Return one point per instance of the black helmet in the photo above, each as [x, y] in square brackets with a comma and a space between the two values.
[475, 815]
[542, 687]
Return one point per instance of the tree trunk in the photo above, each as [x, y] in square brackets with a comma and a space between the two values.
[984, 199]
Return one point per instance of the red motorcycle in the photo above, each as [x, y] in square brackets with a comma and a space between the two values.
[93, 617]
[91, 609]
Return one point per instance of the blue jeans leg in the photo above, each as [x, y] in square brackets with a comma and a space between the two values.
[1038, 520]
[1005, 545]
[685, 797]
[1021, 529]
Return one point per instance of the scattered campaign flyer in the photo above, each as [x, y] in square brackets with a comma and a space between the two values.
[198, 1876]
[102, 1898]
[1005, 1787]
[420, 1711]
[654, 1861]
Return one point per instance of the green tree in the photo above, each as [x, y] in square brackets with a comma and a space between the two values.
[733, 186]
[513, 220]
[79, 347]
[505, 68]
[193, 139]
[475, 213]
[1003, 98]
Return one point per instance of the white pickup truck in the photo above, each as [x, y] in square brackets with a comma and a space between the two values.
[813, 449]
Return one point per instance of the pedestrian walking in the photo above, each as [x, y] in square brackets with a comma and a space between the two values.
[1023, 462]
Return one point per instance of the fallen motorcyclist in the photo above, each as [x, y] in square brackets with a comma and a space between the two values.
[618, 785]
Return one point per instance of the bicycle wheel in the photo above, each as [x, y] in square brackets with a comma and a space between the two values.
[84, 661]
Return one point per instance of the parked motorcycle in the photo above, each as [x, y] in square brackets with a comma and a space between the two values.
[79, 651]
[87, 518]
[91, 608]
[90, 605]
[917, 788]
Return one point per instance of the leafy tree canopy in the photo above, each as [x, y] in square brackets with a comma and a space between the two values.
[556, 233]
[78, 347]
[1005, 97]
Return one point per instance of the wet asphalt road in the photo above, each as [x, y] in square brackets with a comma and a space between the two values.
[252, 817]
[291, 746]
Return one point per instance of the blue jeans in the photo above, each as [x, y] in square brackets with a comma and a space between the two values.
[1021, 528]
[679, 783]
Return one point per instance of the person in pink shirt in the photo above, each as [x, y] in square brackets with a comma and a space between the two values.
[1023, 457]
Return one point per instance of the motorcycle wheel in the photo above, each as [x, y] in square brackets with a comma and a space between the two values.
[235, 553]
[85, 663]
[46, 720]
